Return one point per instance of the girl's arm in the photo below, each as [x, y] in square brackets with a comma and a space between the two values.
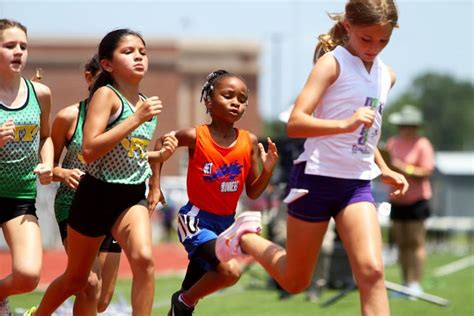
[62, 129]
[46, 151]
[97, 141]
[303, 124]
[394, 179]
[257, 181]
[165, 146]
[183, 138]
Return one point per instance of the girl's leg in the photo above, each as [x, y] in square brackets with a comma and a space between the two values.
[293, 267]
[23, 237]
[82, 252]
[86, 299]
[109, 264]
[225, 275]
[359, 230]
[132, 230]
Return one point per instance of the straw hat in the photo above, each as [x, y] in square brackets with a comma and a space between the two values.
[409, 115]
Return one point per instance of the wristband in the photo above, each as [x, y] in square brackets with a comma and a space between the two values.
[409, 169]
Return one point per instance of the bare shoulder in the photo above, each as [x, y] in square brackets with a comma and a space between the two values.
[326, 68]
[253, 138]
[186, 137]
[104, 91]
[68, 114]
[393, 75]
[41, 90]
[328, 63]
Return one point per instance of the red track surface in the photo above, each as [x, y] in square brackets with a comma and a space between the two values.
[169, 258]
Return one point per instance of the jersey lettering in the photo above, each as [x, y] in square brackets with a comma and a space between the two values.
[135, 146]
[25, 133]
[232, 186]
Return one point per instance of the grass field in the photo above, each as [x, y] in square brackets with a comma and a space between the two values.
[251, 296]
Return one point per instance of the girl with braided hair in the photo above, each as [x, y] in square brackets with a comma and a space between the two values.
[223, 160]
[339, 111]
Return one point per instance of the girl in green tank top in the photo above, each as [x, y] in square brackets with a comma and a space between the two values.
[66, 134]
[119, 125]
[26, 153]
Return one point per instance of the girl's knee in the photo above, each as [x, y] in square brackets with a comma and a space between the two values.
[25, 281]
[75, 283]
[296, 285]
[91, 290]
[230, 271]
[141, 261]
[371, 273]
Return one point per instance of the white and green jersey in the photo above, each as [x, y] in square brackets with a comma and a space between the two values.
[19, 157]
[72, 160]
[127, 162]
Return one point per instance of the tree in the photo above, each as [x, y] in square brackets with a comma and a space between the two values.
[448, 109]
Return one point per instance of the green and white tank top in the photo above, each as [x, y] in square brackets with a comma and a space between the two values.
[72, 160]
[127, 162]
[19, 157]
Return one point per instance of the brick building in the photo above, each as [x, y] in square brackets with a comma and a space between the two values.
[176, 74]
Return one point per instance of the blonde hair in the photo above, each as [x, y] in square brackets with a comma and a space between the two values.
[6, 24]
[357, 12]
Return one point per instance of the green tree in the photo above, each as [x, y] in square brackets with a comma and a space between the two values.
[448, 109]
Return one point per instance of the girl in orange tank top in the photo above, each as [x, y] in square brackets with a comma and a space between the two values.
[222, 161]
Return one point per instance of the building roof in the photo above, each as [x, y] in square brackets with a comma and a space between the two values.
[455, 163]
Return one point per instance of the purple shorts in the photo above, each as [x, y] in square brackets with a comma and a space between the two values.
[326, 197]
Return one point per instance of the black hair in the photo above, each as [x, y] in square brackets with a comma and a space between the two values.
[93, 65]
[106, 50]
[212, 79]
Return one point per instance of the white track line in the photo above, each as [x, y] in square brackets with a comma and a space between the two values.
[454, 266]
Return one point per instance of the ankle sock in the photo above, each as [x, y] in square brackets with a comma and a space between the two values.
[183, 300]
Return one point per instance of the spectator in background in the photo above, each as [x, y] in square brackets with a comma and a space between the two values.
[168, 214]
[412, 155]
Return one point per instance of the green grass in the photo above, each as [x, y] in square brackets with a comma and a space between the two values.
[251, 297]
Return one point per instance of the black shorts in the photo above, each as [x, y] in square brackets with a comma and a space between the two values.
[417, 211]
[98, 204]
[108, 245]
[11, 208]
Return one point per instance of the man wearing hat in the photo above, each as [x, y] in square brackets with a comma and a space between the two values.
[413, 156]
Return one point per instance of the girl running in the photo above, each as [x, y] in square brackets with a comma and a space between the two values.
[222, 161]
[110, 197]
[339, 111]
[66, 133]
[26, 152]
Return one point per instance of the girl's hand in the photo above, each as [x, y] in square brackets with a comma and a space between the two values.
[269, 158]
[363, 115]
[154, 197]
[396, 180]
[170, 143]
[72, 177]
[148, 109]
[7, 132]
[44, 173]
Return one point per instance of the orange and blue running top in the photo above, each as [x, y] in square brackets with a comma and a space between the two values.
[216, 175]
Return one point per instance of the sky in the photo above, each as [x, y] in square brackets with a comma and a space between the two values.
[433, 35]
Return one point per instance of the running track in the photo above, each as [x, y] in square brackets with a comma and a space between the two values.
[169, 258]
